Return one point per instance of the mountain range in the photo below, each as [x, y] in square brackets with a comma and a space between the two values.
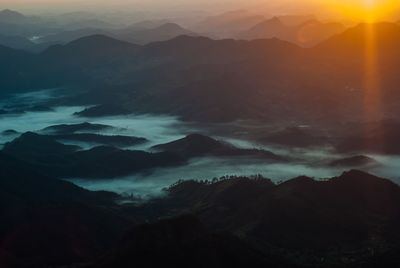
[136, 34]
[288, 94]
[214, 73]
[308, 33]
[232, 219]
[303, 30]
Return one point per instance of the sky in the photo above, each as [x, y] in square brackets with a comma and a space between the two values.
[351, 8]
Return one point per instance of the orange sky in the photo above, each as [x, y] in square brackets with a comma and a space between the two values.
[354, 9]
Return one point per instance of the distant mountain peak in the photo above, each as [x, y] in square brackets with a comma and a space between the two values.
[98, 40]
[387, 36]
[170, 26]
[99, 45]
[9, 15]
[296, 20]
[274, 19]
[10, 12]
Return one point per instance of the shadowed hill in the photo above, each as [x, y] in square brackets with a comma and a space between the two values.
[16, 42]
[11, 16]
[45, 220]
[184, 242]
[73, 128]
[196, 145]
[307, 33]
[44, 153]
[12, 68]
[219, 80]
[162, 32]
[386, 36]
[228, 24]
[242, 220]
[343, 215]
[268, 29]
[95, 48]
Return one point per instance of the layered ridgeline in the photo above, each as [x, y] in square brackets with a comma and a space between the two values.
[36, 33]
[216, 80]
[307, 33]
[236, 220]
[136, 33]
[108, 158]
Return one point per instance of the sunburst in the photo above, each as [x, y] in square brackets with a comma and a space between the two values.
[365, 10]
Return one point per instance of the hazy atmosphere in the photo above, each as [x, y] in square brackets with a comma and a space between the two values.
[351, 9]
[199, 134]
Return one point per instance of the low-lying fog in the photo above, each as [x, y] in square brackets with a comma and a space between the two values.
[161, 129]
[157, 129]
[150, 184]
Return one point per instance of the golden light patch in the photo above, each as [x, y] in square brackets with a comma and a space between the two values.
[365, 10]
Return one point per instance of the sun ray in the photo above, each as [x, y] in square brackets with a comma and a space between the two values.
[373, 107]
[365, 10]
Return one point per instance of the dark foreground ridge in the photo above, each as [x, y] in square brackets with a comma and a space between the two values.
[347, 221]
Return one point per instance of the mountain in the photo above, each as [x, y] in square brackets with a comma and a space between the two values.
[44, 220]
[146, 24]
[307, 34]
[73, 128]
[38, 149]
[83, 132]
[85, 59]
[16, 42]
[210, 78]
[20, 179]
[160, 33]
[110, 162]
[216, 80]
[13, 65]
[141, 33]
[184, 241]
[13, 23]
[238, 220]
[81, 60]
[109, 140]
[314, 32]
[386, 36]
[227, 24]
[196, 145]
[10, 16]
[318, 219]
[296, 20]
[10, 55]
[268, 29]
[64, 37]
[45, 154]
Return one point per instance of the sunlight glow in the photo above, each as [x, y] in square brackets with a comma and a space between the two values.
[373, 106]
[365, 10]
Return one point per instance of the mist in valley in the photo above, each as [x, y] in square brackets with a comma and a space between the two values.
[199, 134]
[159, 129]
